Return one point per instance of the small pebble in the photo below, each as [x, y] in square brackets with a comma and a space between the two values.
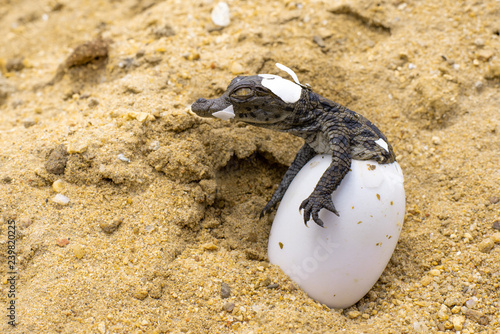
[56, 163]
[319, 41]
[420, 327]
[165, 31]
[154, 145]
[209, 246]
[471, 302]
[486, 245]
[237, 68]
[123, 158]
[102, 327]
[493, 71]
[58, 186]
[79, 251]
[436, 140]
[6, 179]
[220, 14]
[28, 122]
[60, 199]
[153, 59]
[93, 102]
[273, 286]
[140, 293]
[477, 316]
[225, 290]
[496, 237]
[458, 322]
[484, 55]
[426, 280]
[110, 227]
[479, 42]
[149, 228]
[353, 314]
[442, 314]
[144, 116]
[191, 56]
[62, 242]
[435, 272]
[140, 53]
[452, 301]
[267, 281]
[77, 147]
[15, 65]
[24, 222]
[156, 292]
[478, 85]
[496, 225]
[448, 325]
[228, 307]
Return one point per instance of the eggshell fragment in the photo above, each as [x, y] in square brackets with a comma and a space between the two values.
[225, 114]
[338, 264]
[287, 90]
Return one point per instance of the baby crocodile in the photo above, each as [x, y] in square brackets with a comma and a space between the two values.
[272, 102]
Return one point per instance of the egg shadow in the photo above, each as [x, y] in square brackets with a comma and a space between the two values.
[243, 188]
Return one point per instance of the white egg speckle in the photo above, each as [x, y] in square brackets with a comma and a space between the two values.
[337, 265]
[287, 90]
[225, 114]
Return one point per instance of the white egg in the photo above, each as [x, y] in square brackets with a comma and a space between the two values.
[338, 264]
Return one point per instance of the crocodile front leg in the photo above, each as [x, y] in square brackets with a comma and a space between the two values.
[305, 154]
[321, 197]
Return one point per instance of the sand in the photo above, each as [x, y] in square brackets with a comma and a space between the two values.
[158, 209]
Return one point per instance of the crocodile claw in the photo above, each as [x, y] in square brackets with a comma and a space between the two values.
[313, 205]
[271, 205]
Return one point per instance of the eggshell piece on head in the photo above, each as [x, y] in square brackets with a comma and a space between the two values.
[289, 71]
[338, 264]
[285, 89]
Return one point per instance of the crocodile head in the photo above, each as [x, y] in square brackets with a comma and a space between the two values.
[264, 100]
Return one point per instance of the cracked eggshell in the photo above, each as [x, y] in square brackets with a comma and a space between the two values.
[288, 91]
[337, 265]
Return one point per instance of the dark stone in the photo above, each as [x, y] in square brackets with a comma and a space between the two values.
[496, 225]
[225, 290]
[56, 163]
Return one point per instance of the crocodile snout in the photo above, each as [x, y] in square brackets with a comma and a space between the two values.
[201, 107]
[208, 108]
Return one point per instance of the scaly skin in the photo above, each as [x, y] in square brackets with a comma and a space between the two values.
[327, 128]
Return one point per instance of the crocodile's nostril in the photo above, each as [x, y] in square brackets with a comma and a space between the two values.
[200, 106]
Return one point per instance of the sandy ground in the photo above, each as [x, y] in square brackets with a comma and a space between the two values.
[164, 206]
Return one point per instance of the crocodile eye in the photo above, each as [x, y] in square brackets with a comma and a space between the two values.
[242, 92]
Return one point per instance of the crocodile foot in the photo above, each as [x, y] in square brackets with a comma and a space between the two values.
[313, 205]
